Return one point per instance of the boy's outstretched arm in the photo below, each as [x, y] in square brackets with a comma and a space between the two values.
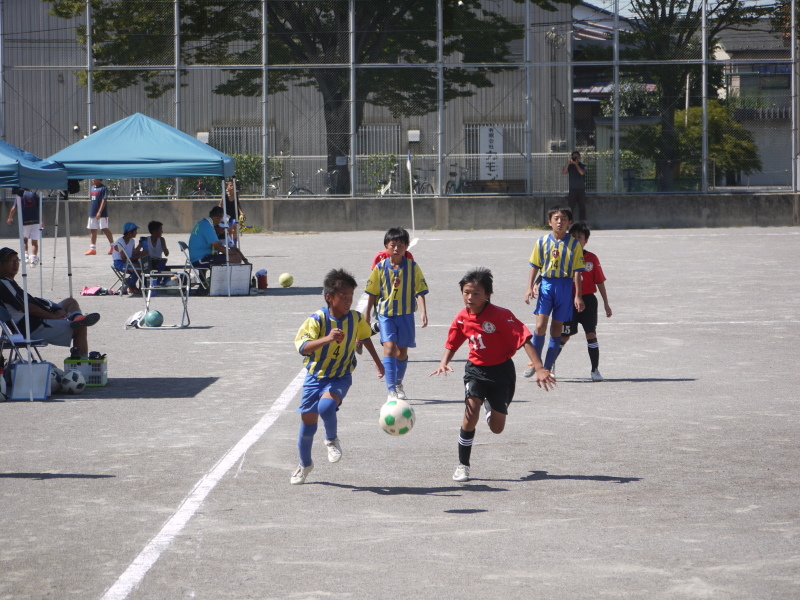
[579, 305]
[531, 291]
[601, 287]
[367, 343]
[423, 310]
[543, 377]
[444, 367]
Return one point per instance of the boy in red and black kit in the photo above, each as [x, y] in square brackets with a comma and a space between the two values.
[494, 336]
[593, 280]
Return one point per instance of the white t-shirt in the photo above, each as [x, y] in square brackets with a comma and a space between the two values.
[128, 247]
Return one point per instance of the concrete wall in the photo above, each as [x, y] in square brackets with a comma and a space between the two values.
[447, 212]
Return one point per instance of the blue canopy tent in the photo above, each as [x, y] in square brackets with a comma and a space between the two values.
[19, 168]
[142, 147]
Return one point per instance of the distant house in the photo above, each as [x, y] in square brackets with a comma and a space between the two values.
[760, 94]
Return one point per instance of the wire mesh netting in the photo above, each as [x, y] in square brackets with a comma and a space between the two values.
[331, 97]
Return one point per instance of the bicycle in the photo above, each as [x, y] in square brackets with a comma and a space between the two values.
[138, 191]
[272, 188]
[458, 184]
[421, 185]
[200, 190]
[295, 189]
[331, 179]
[387, 185]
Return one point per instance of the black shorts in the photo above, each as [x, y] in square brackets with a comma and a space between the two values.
[495, 384]
[587, 318]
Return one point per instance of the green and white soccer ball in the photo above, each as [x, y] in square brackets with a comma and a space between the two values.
[397, 417]
[73, 382]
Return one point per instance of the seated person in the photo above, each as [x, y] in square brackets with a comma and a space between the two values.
[155, 246]
[61, 324]
[204, 242]
[124, 250]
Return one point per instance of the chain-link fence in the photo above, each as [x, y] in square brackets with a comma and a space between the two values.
[333, 97]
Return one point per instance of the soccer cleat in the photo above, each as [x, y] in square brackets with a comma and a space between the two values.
[392, 396]
[334, 450]
[34, 261]
[90, 252]
[401, 394]
[596, 376]
[299, 475]
[529, 371]
[85, 320]
[462, 473]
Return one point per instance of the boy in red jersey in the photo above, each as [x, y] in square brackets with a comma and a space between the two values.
[494, 336]
[593, 280]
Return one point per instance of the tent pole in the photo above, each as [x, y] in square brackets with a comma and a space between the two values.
[40, 255]
[69, 250]
[227, 247]
[55, 242]
[26, 308]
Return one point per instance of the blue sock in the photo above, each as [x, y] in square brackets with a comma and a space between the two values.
[390, 368]
[327, 410]
[304, 440]
[553, 348]
[401, 369]
[538, 343]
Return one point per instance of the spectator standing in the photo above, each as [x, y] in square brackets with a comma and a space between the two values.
[32, 224]
[98, 216]
[577, 184]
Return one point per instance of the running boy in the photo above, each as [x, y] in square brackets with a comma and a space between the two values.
[593, 280]
[395, 286]
[559, 258]
[327, 340]
[494, 335]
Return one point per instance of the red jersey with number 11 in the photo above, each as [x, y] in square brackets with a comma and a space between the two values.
[494, 335]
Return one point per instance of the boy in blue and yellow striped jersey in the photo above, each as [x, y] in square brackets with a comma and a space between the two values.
[327, 340]
[395, 286]
[559, 258]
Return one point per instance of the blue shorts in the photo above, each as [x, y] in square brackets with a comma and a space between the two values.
[555, 296]
[314, 388]
[399, 329]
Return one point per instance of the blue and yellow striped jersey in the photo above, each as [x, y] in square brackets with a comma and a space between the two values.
[396, 289]
[557, 258]
[331, 360]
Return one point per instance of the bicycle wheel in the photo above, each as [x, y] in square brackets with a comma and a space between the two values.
[449, 188]
[426, 188]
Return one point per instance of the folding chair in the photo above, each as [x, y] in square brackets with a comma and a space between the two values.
[149, 287]
[14, 341]
[198, 275]
[123, 276]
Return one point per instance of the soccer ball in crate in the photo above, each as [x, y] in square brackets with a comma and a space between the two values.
[94, 370]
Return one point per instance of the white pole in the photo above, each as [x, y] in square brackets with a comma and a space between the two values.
[411, 197]
[26, 308]
[55, 242]
[40, 255]
[69, 249]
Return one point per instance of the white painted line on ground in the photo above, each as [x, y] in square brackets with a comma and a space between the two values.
[134, 574]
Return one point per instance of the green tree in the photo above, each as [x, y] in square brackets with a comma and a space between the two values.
[228, 32]
[667, 30]
[731, 147]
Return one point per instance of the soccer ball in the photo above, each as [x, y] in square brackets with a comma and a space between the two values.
[153, 318]
[286, 280]
[73, 382]
[397, 417]
[56, 378]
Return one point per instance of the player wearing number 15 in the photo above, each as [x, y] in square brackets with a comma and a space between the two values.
[394, 287]
[327, 340]
[559, 258]
[494, 335]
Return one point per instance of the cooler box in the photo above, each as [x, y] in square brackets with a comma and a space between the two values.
[94, 371]
[240, 276]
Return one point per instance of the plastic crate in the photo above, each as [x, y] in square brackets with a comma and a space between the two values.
[94, 371]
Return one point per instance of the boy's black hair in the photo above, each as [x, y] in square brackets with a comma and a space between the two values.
[574, 152]
[564, 209]
[153, 225]
[217, 211]
[396, 233]
[580, 227]
[336, 280]
[480, 275]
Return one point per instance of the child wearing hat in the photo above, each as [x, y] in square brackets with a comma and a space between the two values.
[125, 251]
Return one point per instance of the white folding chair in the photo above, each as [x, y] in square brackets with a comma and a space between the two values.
[198, 275]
